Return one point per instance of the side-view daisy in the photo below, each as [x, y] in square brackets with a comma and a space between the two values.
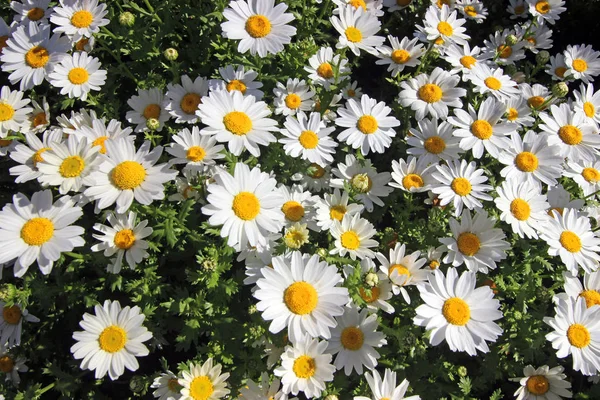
[11, 323]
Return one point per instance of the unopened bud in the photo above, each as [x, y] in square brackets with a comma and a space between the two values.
[361, 183]
[331, 397]
[511, 40]
[153, 124]
[252, 309]
[7, 291]
[137, 384]
[462, 371]
[371, 279]
[542, 57]
[171, 54]
[322, 252]
[209, 265]
[560, 89]
[127, 19]
[434, 54]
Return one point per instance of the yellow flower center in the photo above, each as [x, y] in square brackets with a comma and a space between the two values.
[40, 119]
[173, 385]
[470, 11]
[578, 335]
[468, 244]
[400, 56]
[361, 183]
[201, 388]
[301, 298]
[531, 40]
[293, 101]
[352, 338]
[246, 206]
[124, 239]
[316, 171]
[350, 240]
[258, 26]
[592, 297]
[35, 14]
[294, 239]
[440, 3]
[6, 364]
[445, 28]
[526, 161]
[237, 122]
[12, 315]
[570, 241]
[492, 83]
[325, 71]
[375, 292]
[535, 101]
[461, 186]
[337, 212]
[504, 51]
[5, 142]
[559, 210]
[482, 129]
[358, 3]
[195, 154]
[430, 93]
[3, 44]
[128, 175]
[560, 71]
[520, 9]
[37, 231]
[82, 19]
[112, 339]
[520, 209]
[308, 139]
[71, 167]
[37, 156]
[589, 109]
[152, 111]
[435, 144]
[434, 264]
[304, 367]
[543, 7]
[570, 135]
[367, 124]
[456, 311]
[513, 114]
[37, 57]
[100, 142]
[580, 65]
[236, 85]
[6, 112]
[401, 270]
[467, 61]
[293, 210]
[189, 103]
[591, 175]
[353, 35]
[412, 181]
[81, 43]
[537, 385]
[78, 76]
[351, 92]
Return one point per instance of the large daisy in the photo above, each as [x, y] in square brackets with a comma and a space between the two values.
[357, 29]
[546, 10]
[307, 137]
[77, 75]
[582, 62]
[31, 11]
[586, 174]
[204, 382]
[239, 79]
[79, 18]
[353, 237]
[587, 102]
[386, 388]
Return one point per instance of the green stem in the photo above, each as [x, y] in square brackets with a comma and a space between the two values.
[108, 32]
[118, 59]
[324, 8]
[151, 9]
[424, 58]
[44, 390]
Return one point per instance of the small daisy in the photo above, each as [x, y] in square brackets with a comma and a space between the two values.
[582, 62]
[473, 10]
[79, 18]
[264, 390]
[98, 133]
[302, 294]
[522, 206]
[386, 388]
[111, 340]
[369, 125]
[442, 26]
[557, 68]
[538, 96]
[518, 111]
[501, 52]
[77, 75]
[569, 235]
[148, 104]
[296, 235]
[576, 328]
[412, 176]
[126, 173]
[314, 177]
[404, 53]
[353, 237]
[333, 207]
[194, 150]
[535, 38]
[39, 118]
[30, 154]
[459, 313]
[546, 10]
[586, 174]
[433, 141]
[305, 367]
[167, 386]
[543, 383]
[432, 94]
[237, 80]
[560, 199]
[297, 206]
[463, 58]
[182, 100]
[357, 29]
[293, 97]
[262, 27]
[352, 91]
[403, 269]
[11, 366]
[307, 137]
[240, 121]
[204, 382]
[492, 81]
[461, 184]
[13, 111]
[11, 323]
[31, 11]
[38, 230]
[246, 204]
[518, 9]
[394, 5]
[587, 102]
[376, 292]
[323, 66]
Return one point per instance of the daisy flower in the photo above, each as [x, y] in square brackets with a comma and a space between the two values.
[204, 382]
[296, 235]
[501, 52]
[432, 142]
[538, 96]
[302, 294]
[518, 111]
[472, 9]
[185, 187]
[546, 10]
[557, 68]
[354, 339]
[394, 5]
[264, 390]
[459, 313]
[577, 140]
[483, 129]
[432, 94]
[307, 137]
[412, 176]
[167, 386]
[237, 80]
[38, 230]
[79, 18]
[332, 207]
[30, 154]
[305, 367]
[492, 81]
[589, 290]
[369, 125]
[77, 75]
[125, 174]
[111, 340]
[375, 293]
[560, 199]
[98, 133]
[543, 383]
[297, 206]
[148, 104]
[442, 26]
[404, 53]
[194, 150]
[353, 237]
[586, 174]
[371, 6]
[352, 91]
[124, 238]
[31, 11]
[11, 366]
[31, 54]
[246, 204]
[569, 235]
[522, 206]
[535, 38]
[518, 9]
[386, 388]
[314, 177]
[182, 100]
[461, 184]
[463, 58]
[587, 102]
[364, 179]
[293, 97]
[13, 113]
[11, 323]
[240, 121]
[38, 119]
[403, 269]
[576, 329]
[261, 26]
[322, 67]
[357, 29]
[582, 62]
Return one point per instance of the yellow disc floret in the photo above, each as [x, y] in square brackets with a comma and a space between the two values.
[435, 145]
[35, 14]
[293, 210]
[152, 111]
[570, 241]
[492, 83]
[37, 57]
[128, 175]
[352, 338]
[124, 239]
[591, 175]
[201, 388]
[350, 240]
[537, 385]
[468, 244]
[78, 76]
[520, 209]
[367, 124]
[467, 61]
[189, 103]
[237, 122]
[578, 335]
[37, 231]
[195, 154]
[258, 26]
[325, 71]
[400, 56]
[482, 129]
[71, 167]
[445, 28]
[246, 206]
[580, 65]
[236, 85]
[430, 93]
[112, 339]
[570, 135]
[412, 181]
[526, 161]
[461, 186]
[308, 139]
[592, 297]
[456, 311]
[543, 7]
[100, 142]
[82, 19]
[6, 112]
[304, 367]
[301, 298]
[293, 101]
[353, 34]
[337, 212]
[12, 315]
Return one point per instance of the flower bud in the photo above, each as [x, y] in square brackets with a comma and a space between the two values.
[331, 397]
[462, 371]
[511, 40]
[137, 384]
[542, 57]
[171, 54]
[127, 19]
[152, 124]
[371, 279]
[560, 89]
[361, 183]
[322, 252]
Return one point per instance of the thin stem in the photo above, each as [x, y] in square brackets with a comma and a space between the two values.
[118, 59]
[151, 9]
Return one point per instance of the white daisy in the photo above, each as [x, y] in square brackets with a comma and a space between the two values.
[459, 313]
[31, 11]
[589, 290]
[297, 206]
[586, 174]
[323, 65]
[557, 68]
[433, 141]
[463, 58]
[546, 10]
[194, 150]
[543, 383]
[98, 133]
[30, 154]
[386, 388]
[371, 6]
[492, 81]
[167, 386]
[401, 54]
[293, 97]
[518, 111]
[357, 29]
[582, 62]
[442, 26]
[500, 51]
[375, 293]
[307, 137]
[560, 199]
[538, 96]
[412, 176]
[587, 102]
[535, 37]
[204, 382]
[77, 75]
[38, 119]
[352, 91]
[182, 100]
[263, 390]
[13, 113]
[11, 366]
[79, 18]
[333, 207]
[353, 237]
[403, 269]
[522, 206]
[314, 177]
[472, 9]
[239, 79]
[518, 9]
[148, 104]
[11, 323]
